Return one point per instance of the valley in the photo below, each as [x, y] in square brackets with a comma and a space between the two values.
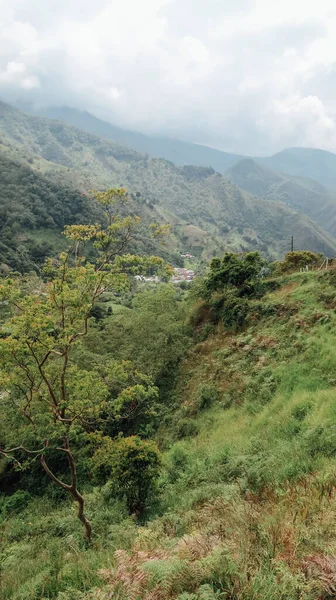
[167, 371]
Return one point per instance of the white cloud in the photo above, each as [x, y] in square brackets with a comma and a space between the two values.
[245, 75]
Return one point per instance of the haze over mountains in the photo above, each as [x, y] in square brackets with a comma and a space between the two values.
[250, 208]
[302, 162]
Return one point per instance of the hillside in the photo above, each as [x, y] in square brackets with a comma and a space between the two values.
[33, 213]
[179, 152]
[300, 193]
[301, 162]
[224, 215]
[305, 162]
[245, 504]
[35, 208]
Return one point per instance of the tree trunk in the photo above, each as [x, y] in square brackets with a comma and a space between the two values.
[72, 489]
[80, 501]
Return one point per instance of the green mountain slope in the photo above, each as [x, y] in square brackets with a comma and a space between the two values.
[198, 196]
[300, 193]
[33, 212]
[246, 504]
[34, 209]
[305, 162]
[301, 162]
[177, 151]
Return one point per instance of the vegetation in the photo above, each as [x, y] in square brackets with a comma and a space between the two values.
[193, 426]
[31, 204]
[238, 502]
[208, 213]
[300, 193]
[48, 401]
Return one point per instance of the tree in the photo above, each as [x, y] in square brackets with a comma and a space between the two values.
[298, 259]
[46, 398]
[131, 465]
[234, 271]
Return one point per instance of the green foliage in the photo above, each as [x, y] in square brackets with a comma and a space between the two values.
[227, 287]
[131, 466]
[15, 503]
[30, 203]
[242, 272]
[157, 316]
[208, 395]
[207, 209]
[294, 261]
[49, 401]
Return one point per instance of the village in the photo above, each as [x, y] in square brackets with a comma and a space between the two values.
[179, 274]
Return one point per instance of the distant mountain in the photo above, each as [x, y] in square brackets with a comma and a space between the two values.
[305, 162]
[208, 213]
[177, 151]
[300, 193]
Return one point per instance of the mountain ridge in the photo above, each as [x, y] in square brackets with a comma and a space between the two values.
[299, 161]
[232, 219]
[300, 193]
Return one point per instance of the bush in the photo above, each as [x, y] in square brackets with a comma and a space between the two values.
[230, 308]
[132, 465]
[15, 503]
[294, 261]
[208, 395]
[186, 428]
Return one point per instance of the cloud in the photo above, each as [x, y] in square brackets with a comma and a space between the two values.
[250, 76]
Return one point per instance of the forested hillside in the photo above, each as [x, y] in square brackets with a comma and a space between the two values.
[179, 152]
[35, 208]
[300, 193]
[221, 213]
[160, 441]
[33, 212]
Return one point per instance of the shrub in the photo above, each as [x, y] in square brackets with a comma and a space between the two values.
[234, 270]
[208, 395]
[132, 465]
[230, 308]
[15, 503]
[294, 261]
[186, 428]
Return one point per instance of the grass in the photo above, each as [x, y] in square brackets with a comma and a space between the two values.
[247, 507]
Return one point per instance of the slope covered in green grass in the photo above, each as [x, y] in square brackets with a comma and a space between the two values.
[246, 504]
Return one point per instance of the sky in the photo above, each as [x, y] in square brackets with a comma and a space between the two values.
[245, 76]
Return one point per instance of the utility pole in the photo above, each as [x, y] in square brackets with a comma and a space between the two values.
[292, 244]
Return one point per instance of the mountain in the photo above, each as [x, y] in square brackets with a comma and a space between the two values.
[300, 193]
[177, 151]
[305, 162]
[34, 209]
[33, 212]
[208, 213]
[301, 162]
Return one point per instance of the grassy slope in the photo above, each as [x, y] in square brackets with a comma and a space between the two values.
[248, 506]
[238, 220]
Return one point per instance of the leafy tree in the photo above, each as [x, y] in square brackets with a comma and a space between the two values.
[157, 316]
[296, 260]
[47, 399]
[227, 287]
[234, 270]
[131, 465]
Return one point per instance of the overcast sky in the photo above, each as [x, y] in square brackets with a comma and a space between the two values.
[249, 76]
